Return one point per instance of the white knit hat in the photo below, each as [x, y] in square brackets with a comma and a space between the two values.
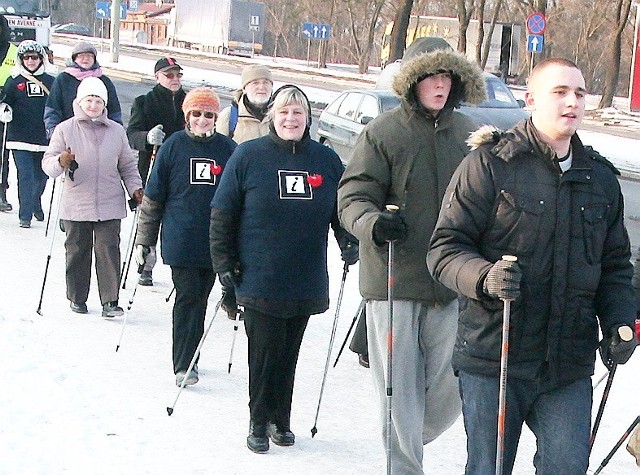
[92, 87]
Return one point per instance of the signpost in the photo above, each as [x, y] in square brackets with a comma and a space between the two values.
[254, 25]
[315, 31]
[103, 12]
[634, 90]
[536, 25]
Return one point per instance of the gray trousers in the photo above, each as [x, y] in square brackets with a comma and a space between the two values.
[425, 398]
[103, 238]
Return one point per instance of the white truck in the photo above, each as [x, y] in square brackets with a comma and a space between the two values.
[28, 20]
[218, 26]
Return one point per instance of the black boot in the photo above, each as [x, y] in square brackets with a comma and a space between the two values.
[280, 435]
[257, 440]
[4, 204]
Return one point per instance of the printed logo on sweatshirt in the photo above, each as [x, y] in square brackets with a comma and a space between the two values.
[202, 171]
[34, 90]
[293, 185]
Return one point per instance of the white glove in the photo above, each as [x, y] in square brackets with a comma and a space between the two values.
[156, 135]
[141, 252]
[6, 113]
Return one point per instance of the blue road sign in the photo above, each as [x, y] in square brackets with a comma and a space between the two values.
[316, 31]
[103, 11]
[535, 43]
[536, 23]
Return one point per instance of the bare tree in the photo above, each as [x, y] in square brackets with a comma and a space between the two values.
[399, 31]
[464, 16]
[487, 40]
[363, 47]
[613, 71]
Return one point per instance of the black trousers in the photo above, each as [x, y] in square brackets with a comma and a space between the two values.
[274, 345]
[193, 287]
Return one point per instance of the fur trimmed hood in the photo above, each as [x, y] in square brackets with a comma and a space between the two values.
[470, 87]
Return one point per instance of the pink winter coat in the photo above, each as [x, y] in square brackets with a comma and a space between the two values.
[105, 162]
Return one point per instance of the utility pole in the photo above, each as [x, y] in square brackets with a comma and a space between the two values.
[115, 30]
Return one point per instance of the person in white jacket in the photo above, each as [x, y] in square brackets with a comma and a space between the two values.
[93, 153]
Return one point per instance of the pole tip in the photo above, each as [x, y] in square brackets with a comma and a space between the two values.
[169, 410]
[314, 431]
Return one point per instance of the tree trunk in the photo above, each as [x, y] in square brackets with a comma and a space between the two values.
[322, 63]
[481, 6]
[398, 40]
[613, 70]
[487, 40]
[463, 24]
[365, 55]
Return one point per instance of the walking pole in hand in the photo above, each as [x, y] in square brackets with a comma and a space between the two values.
[504, 357]
[605, 397]
[233, 342]
[346, 338]
[53, 236]
[53, 192]
[390, 279]
[618, 444]
[345, 269]
[133, 294]
[195, 355]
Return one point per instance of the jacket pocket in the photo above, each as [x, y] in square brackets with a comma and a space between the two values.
[516, 223]
[594, 231]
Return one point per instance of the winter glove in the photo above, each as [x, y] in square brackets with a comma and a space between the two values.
[6, 113]
[141, 253]
[350, 253]
[389, 227]
[137, 195]
[229, 279]
[618, 348]
[66, 158]
[503, 280]
[156, 135]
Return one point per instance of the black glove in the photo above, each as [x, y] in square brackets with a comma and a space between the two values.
[389, 227]
[618, 348]
[503, 280]
[230, 278]
[349, 252]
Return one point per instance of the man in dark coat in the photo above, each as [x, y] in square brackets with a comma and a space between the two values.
[536, 193]
[154, 117]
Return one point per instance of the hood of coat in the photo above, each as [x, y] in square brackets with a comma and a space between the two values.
[468, 83]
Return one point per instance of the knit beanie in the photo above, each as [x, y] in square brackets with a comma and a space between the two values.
[92, 87]
[202, 99]
[253, 72]
[83, 47]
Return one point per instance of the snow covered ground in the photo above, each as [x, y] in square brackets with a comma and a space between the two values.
[71, 404]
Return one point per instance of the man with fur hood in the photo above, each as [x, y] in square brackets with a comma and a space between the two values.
[405, 157]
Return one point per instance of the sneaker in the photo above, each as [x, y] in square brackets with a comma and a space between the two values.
[39, 215]
[281, 437]
[111, 309]
[25, 224]
[363, 360]
[79, 307]
[191, 379]
[145, 278]
[257, 440]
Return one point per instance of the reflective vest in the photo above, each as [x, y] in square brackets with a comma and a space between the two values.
[8, 63]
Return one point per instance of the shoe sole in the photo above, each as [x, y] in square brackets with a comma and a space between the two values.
[118, 313]
[79, 310]
[257, 451]
[188, 382]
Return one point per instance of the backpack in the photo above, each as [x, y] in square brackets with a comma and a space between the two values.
[233, 119]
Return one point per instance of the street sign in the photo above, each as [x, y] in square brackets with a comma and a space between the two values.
[133, 5]
[103, 11]
[254, 20]
[316, 31]
[536, 23]
[535, 43]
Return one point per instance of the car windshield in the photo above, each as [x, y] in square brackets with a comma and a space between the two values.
[27, 7]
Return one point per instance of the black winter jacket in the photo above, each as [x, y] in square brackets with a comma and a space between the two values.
[567, 230]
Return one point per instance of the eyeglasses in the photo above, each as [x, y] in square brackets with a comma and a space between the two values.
[207, 114]
[31, 56]
[172, 75]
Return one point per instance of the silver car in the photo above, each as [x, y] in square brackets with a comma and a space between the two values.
[342, 121]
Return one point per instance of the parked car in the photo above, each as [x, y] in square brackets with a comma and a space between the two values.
[72, 29]
[342, 121]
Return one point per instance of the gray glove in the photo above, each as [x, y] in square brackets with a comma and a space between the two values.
[156, 135]
[6, 113]
[503, 280]
[141, 252]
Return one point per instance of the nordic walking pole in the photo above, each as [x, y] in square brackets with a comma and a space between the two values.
[233, 342]
[129, 251]
[504, 358]
[605, 397]
[345, 270]
[134, 229]
[133, 294]
[390, 284]
[173, 289]
[53, 192]
[346, 338]
[195, 355]
[53, 236]
[618, 444]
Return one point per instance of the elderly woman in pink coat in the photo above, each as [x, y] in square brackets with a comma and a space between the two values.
[93, 153]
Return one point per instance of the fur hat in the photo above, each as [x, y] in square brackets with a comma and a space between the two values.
[83, 47]
[253, 72]
[92, 87]
[202, 99]
[166, 63]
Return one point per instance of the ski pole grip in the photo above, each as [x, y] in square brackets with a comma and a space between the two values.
[392, 208]
[510, 258]
[625, 333]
